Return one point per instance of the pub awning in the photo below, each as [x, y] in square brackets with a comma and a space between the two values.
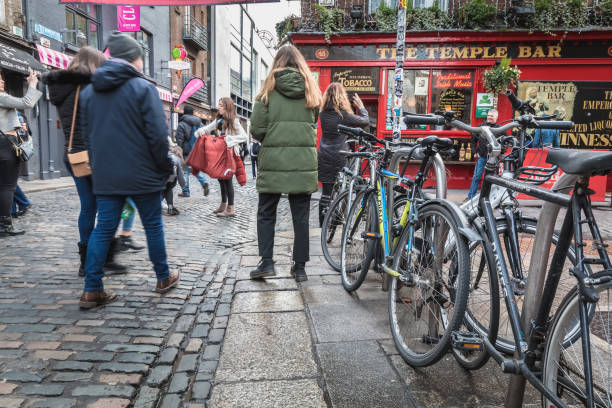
[18, 60]
[53, 58]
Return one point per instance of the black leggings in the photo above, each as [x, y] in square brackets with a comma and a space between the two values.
[168, 194]
[9, 172]
[227, 191]
[324, 201]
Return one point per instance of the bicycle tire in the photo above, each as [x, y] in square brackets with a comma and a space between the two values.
[332, 229]
[563, 359]
[356, 250]
[481, 256]
[420, 350]
[505, 339]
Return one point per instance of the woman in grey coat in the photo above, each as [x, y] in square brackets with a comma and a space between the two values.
[9, 154]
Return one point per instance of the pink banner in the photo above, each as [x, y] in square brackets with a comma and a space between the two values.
[128, 18]
[191, 88]
[170, 2]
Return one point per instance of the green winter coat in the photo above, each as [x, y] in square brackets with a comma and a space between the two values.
[286, 128]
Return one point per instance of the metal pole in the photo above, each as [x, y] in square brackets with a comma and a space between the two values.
[399, 68]
[537, 275]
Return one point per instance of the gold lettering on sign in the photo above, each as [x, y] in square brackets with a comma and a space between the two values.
[539, 52]
[486, 53]
[524, 51]
[554, 51]
[446, 52]
[460, 53]
[501, 52]
[475, 51]
[471, 52]
[411, 53]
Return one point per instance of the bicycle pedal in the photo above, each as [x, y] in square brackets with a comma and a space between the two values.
[466, 341]
[427, 339]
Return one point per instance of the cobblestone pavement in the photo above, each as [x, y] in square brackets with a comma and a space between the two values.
[219, 339]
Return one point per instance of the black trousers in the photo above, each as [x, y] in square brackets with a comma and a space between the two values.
[9, 172]
[227, 191]
[325, 201]
[266, 221]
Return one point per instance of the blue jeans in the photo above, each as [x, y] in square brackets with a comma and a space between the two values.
[128, 223]
[87, 216]
[254, 166]
[201, 178]
[20, 201]
[109, 216]
[478, 170]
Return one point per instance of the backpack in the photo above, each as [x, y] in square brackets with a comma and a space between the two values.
[255, 149]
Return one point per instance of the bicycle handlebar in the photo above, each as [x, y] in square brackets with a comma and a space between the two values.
[416, 119]
[552, 124]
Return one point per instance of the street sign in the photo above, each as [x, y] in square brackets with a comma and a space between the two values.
[47, 32]
[179, 65]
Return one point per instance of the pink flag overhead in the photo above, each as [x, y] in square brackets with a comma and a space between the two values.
[128, 18]
[191, 88]
[170, 2]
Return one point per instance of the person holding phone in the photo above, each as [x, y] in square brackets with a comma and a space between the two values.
[335, 110]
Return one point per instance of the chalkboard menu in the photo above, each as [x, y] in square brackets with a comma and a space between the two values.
[453, 99]
[362, 80]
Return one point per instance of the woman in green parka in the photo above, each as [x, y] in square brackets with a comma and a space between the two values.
[284, 121]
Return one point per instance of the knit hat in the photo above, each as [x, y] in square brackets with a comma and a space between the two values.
[124, 47]
[188, 110]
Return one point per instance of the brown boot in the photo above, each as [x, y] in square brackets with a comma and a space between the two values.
[167, 284]
[229, 212]
[221, 208]
[90, 300]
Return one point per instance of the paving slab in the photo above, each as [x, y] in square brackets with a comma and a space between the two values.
[304, 393]
[266, 346]
[261, 285]
[358, 374]
[257, 302]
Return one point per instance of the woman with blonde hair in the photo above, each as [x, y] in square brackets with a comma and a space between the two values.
[228, 125]
[284, 121]
[335, 110]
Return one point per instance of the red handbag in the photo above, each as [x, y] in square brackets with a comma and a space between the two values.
[211, 155]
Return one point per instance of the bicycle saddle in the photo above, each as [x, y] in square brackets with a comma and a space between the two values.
[435, 140]
[581, 162]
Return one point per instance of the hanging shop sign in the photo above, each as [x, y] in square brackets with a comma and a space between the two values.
[588, 104]
[357, 79]
[484, 103]
[128, 18]
[192, 87]
[170, 2]
[17, 60]
[490, 51]
[179, 65]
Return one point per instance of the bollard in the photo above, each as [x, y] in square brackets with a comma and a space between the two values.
[537, 269]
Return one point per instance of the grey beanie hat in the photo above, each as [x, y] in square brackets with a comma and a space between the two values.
[124, 47]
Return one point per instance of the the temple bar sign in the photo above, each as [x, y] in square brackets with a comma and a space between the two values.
[485, 51]
[357, 79]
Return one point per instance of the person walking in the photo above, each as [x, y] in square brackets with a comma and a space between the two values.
[185, 139]
[176, 176]
[124, 239]
[228, 126]
[254, 148]
[284, 121]
[479, 147]
[21, 204]
[63, 85]
[9, 150]
[335, 110]
[124, 120]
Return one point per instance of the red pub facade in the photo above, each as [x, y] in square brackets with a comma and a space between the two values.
[567, 74]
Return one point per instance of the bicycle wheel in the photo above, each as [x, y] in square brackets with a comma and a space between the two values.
[563, 360]
[355, 249]
[482, 314]
[478, 313]
[331, 235]
[427, 302]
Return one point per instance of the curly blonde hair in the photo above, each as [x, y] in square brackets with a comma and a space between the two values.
[336, 96]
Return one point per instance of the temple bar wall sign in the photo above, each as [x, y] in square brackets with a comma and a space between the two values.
[421, 52]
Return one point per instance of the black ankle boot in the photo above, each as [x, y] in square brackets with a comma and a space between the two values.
[83, 256]
[113, 267]
[7, 229]
[298, 271]
[264, 269]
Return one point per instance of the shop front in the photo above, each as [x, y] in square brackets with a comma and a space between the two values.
[567, 75]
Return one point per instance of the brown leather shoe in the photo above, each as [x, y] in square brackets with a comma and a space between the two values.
[221, 208]
[90, 300]
[167, 284]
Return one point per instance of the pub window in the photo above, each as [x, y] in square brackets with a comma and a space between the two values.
[85, 19]
[453, 89]
[373, 5]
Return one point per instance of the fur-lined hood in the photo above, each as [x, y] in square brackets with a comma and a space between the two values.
[62, 83]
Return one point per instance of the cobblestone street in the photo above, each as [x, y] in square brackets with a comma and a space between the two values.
[219, 339]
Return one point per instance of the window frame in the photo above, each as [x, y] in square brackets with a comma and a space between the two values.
[148, 50]
[76, 11]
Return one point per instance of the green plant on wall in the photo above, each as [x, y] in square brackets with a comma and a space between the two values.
[330, 20]
[606, 12]
[501, 77]
[386, 18]
[476, 14]
[573, 13]
[545, 17]
[282, 28]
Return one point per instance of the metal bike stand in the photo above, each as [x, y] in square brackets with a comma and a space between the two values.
[538, 268]
[440, 171]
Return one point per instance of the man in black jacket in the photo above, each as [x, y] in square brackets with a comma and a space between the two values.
[122, 115]
[185, 138]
